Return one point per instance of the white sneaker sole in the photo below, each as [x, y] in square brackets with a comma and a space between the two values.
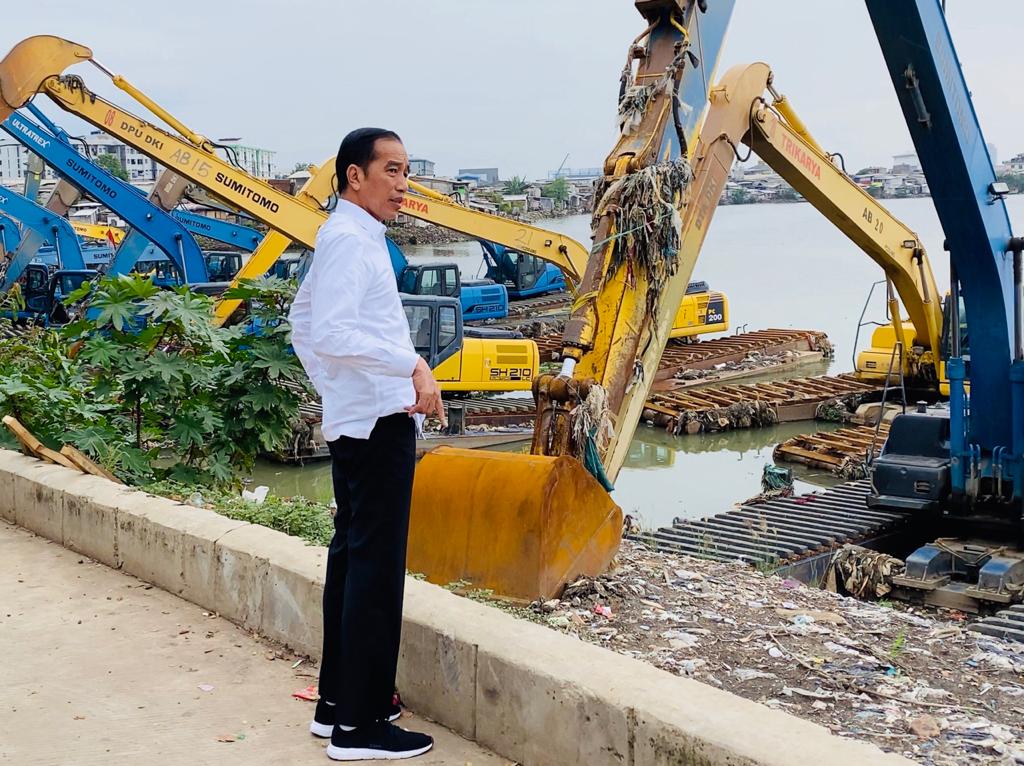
[324, 730]
[363, 754]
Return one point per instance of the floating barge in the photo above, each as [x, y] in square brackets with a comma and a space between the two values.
[723, 407]
[834, 450]
[707, 354]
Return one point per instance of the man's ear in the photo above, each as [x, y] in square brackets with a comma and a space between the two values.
[354, 174]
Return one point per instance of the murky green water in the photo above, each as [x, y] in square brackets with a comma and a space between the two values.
[781, 266]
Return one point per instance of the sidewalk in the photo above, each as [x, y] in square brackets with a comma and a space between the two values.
[101, 668]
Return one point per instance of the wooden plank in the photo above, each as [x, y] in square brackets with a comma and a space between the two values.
[84, 464]
[33, 446]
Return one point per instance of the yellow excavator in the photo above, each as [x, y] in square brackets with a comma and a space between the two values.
[771, 129]
[519, 524]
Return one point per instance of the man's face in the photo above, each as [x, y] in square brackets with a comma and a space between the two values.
[381, 189]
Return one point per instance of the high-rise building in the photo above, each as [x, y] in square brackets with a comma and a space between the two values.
[254, 160]
[137, 165]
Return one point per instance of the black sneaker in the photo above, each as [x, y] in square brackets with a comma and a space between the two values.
[323, 719]
[377, 742]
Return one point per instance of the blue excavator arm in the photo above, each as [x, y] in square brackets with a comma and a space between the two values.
[149, 223]
[936, 103]
[243, 237]
[42, 226]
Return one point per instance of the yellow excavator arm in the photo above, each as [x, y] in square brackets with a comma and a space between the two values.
[564, 252]
[97, 231]
[780, 138]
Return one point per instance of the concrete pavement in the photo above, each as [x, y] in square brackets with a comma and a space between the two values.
[99, 667]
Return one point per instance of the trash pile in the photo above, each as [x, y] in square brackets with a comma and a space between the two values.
[414, 234]
[745, 414]
[911, 680]
[755, 360]
[538, 328]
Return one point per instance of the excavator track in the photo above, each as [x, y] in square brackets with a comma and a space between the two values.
[783, 531]
[1007, 624]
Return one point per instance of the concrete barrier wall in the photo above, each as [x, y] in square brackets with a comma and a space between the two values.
[528, 693]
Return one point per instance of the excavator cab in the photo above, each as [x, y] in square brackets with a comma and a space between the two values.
[440, 279]
[222, 265]
[468, 358]
[479, 299]
[435, 326]
[524, 275]
[44, 292]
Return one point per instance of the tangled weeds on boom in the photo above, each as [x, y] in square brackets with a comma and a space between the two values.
[635, 99]
[647, 224]
[592, 430]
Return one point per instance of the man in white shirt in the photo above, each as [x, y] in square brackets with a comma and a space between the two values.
[351, 334]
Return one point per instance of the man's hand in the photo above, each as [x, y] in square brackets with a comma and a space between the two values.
[428, 394]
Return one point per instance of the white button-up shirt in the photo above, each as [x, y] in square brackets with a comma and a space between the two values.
[349, 329]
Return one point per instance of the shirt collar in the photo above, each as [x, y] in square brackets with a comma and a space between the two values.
[360, 216]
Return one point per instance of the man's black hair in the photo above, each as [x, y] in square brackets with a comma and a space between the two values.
[357, 148]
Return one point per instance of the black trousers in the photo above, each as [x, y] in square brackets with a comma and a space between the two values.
[365, 579]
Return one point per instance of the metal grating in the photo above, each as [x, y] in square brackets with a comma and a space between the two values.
[781, 531]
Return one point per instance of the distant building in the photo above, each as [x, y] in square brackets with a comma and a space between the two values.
[907, 158]
[576, 174]
[480, 175]
[993, 153]
[14, 159]
[420, 167]
[457, 190]
[139, 167]
[254, 160]
[1016, 164]
[517, 202]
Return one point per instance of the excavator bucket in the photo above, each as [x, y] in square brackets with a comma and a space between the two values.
[29, 63]
[520, 525]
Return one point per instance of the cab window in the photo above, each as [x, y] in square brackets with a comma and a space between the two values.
[408, 283]
[446, 327]
[451, 282]
[35, 279]
[419, 328]
[529, 269]
[430, 284]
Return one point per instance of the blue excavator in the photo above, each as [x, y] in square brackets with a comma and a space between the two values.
[39, 226]
[958, 469]
[149, 223]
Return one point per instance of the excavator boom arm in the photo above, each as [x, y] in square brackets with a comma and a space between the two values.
[562, 251]
[789, 151]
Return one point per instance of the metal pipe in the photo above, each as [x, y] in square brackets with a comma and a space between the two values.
[56, 249]
[1018, 339]
[181, 255]
[956, 373]
[954, 311]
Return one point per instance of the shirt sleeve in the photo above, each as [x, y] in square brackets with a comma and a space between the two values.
[340, 282]
[302, 341]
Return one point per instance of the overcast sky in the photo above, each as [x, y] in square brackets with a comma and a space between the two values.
[515, 84]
